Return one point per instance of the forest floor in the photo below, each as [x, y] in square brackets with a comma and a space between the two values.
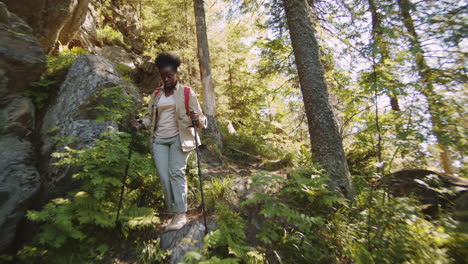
[216, 167]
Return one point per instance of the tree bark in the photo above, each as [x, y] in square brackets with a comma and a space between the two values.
[208, 94]
[327, 145]
[434, 101]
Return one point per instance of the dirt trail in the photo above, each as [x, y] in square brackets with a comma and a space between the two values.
[215, 167]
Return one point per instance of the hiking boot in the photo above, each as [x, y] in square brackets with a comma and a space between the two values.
[177, 222]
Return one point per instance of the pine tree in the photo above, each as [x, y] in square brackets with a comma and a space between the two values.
[327, 146]
[434, 100]
[209, 98]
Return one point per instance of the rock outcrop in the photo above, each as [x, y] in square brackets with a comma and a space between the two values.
[22, 61]
[19, 184]
[188, 238]
[18, 117]
[73, 24]
[432, 189]
[148, 77]
[51, 20]
[73, 114]
[87, 36]
[119, 55]
[125, 19]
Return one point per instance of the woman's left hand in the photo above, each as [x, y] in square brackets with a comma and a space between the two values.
[194, 116]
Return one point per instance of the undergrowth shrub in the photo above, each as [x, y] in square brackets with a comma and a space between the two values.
[296, 227]
[246, 146]
[295, 212]
[302, 221]
[151, 252]
[226, 244]
[457, 241]
[193, 183]
[385, 229]
[110, 36]
[116, 104]
[75, 228]
[219, 189]
[55, 72]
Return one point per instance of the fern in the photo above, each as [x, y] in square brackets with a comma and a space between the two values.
[76, 227]
[229, 238]
[41, 90]
[116, 105]
[298, 208]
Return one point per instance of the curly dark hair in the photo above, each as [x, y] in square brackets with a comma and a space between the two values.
[167, 59]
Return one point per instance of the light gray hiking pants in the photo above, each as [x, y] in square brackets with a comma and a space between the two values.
[171, 162]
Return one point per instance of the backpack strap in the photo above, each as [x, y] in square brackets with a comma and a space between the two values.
[187, 97]
[156, 91]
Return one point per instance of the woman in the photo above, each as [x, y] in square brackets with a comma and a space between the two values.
[173, 137]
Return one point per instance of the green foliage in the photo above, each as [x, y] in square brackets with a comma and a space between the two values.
[75, 227]
[230, 234]
[227, 244]
[247, 143]
[456, 235]
[50, 80]
[384, 229]
[110, 36]
[152, 252]
[248, 146]
[127, 73]
[5, 258]
[303, 222]
[219, 190]
[64, 59]
[165, 32]
[116, 105]
[295, 229]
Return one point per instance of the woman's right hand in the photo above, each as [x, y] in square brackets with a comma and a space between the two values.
[137, 125]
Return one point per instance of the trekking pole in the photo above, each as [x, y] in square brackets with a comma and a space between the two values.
[194, 124]
[130, 149]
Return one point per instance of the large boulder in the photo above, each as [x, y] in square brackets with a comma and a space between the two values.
[22, 60]
[19, 185]
[51, 19]
[73, 24]
[87, 36]
[75, 111]
[431, 188]
[188, 238]
[119, 55]
[18, 117]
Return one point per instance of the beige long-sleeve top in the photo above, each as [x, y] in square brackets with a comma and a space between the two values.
[187, 134]
[167, 122]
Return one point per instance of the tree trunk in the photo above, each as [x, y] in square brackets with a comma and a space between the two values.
[327, 145]
[378, 36]
[209, 99]
[434, 101]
